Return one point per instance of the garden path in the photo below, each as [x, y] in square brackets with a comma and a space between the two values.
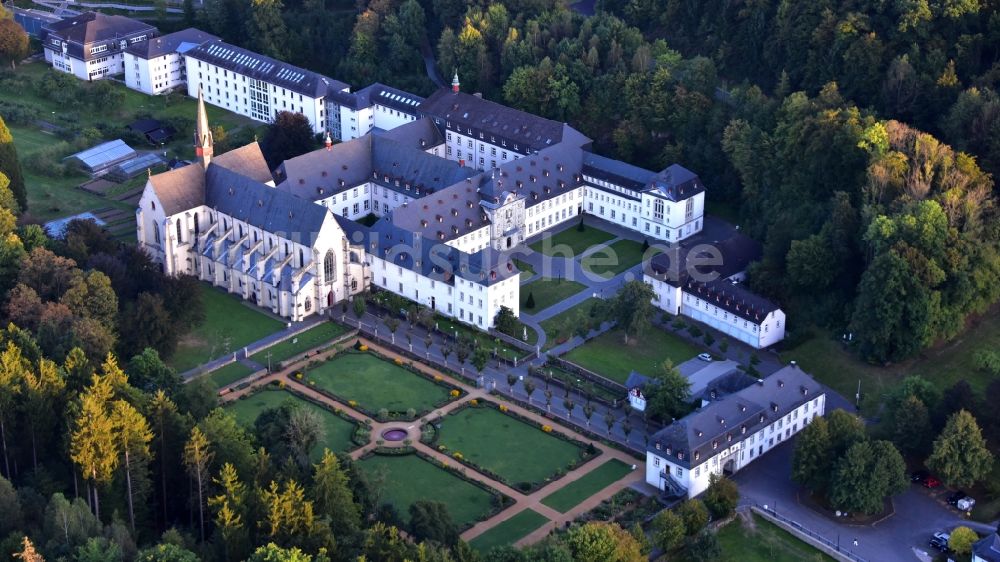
[521, 500]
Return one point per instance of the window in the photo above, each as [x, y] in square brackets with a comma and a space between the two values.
[330, 267]
[156, 233]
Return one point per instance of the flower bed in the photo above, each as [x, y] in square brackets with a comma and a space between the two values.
[627, 507]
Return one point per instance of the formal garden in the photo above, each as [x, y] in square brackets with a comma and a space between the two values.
[571, 242]
[515, 452]
[568, 323]
[337, 430]
[609, 356]
[576, 492]
[404, 479]
[378, 387]
[509, 531]
[230, 324]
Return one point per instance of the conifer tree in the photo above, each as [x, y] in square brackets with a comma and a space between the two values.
[11, 167]
[41, 388]
[230, 507]
[197, 457]
[12, 369]
[92, 446]
[133, 435]
[334, 499]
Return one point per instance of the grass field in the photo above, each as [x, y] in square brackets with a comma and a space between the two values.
[404, 480]
[587, 485]
[614, 259]
[336, 430]
[944, 365]
[229, 325]
[766, 543]
[607, 354]
[509, 532]
[548, 292]
[526, 270]
[570, 242]
[516, 451]
[562, 325]
[229, 374]
[375, 384]
[313, 337]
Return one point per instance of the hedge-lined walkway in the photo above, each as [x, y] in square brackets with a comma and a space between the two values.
[522, 501]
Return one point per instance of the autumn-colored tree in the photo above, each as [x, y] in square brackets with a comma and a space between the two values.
[93, 444]
[41, 387]
[289, 515]
[28, 552]
[197, 457]
[603, 542]
[12, 369]
[334, 498]
[133, 436]
[230, 511]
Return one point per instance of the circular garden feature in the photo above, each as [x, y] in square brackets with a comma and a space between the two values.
[394, 434]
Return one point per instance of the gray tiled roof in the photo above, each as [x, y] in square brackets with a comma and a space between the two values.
[732, 298]
[180, 189]
[467, 113]
[267, 208]
[537, 177]
[247, 160]
[420, 134]
[91, 28]
[677, 183]
[272, 71]
[616, 172]
[170, 43]
[695, 438]
[716, 259]
[988, 548]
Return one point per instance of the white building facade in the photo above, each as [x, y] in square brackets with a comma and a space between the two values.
[92, 46]
[729, 434]
[158, 66]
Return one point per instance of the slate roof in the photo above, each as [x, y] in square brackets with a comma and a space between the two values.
[616, 172]
[637, 380]
[988, 548]
[537, 177]
[170, 43]
[677, 183]
[716, 259]
[247, 160]
[180, 189]
[472, 114]
[267, 208]
[732, 298]
[379, 94]
[444, 215]
[89, 28]
[260, 67]
[695, 438]
[421, 134]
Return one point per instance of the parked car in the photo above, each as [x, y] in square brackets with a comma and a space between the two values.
[931, 482]
[965, 504]
[919, 476]
[940, 541]
[707, 357]
[955, 496]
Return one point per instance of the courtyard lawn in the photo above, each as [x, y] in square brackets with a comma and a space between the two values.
[945, 364]
[607, 354]
[375, 384]
[548, 292]
[571, 242]
[229, 374]
[514, 450]
[766, 542]
[510, 531]
[527, 272]
[562, 326]
[336, 430]
[587, 485]
[229, 326]
[314, 337]
[404, 480]
[614, 259]
[583, 385]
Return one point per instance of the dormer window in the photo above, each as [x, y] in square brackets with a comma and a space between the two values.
[697, 456]
[669, 450]
[774, 407]
[658, 446]
[761, 420]
[729, 437]
[781, 384]
[743, 430]
[680, 455]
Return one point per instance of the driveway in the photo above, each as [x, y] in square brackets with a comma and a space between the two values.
[917, 513]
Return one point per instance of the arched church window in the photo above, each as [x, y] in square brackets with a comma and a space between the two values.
[330, 267]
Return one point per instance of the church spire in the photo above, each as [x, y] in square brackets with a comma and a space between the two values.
[203, 135]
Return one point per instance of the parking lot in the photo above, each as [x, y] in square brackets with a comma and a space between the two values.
[918, 514]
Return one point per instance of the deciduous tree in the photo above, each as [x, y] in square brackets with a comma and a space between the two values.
[960, 456]
[812, 460]
[667, 393]
[668, 530]
[694, 514]
[603, 542]
[10, 166]
[961, 540]
[632, 308]
[721, 497]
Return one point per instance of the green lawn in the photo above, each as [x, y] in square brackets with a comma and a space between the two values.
[336, 430]
[375, 384]
[944, 365]
[526, 270]
[766, 543]
[607, 354]
[229, 325]
[229, 374]
[562, 326]
[510, 531]
[582, 385]
[548, 292]
[614, 259]
[313, 337]
[587, 485]
[516, 451]
[570, 242]
[404, 480]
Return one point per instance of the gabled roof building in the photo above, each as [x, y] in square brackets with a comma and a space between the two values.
[91, 46]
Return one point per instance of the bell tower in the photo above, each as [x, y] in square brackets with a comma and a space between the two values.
[203, 143]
